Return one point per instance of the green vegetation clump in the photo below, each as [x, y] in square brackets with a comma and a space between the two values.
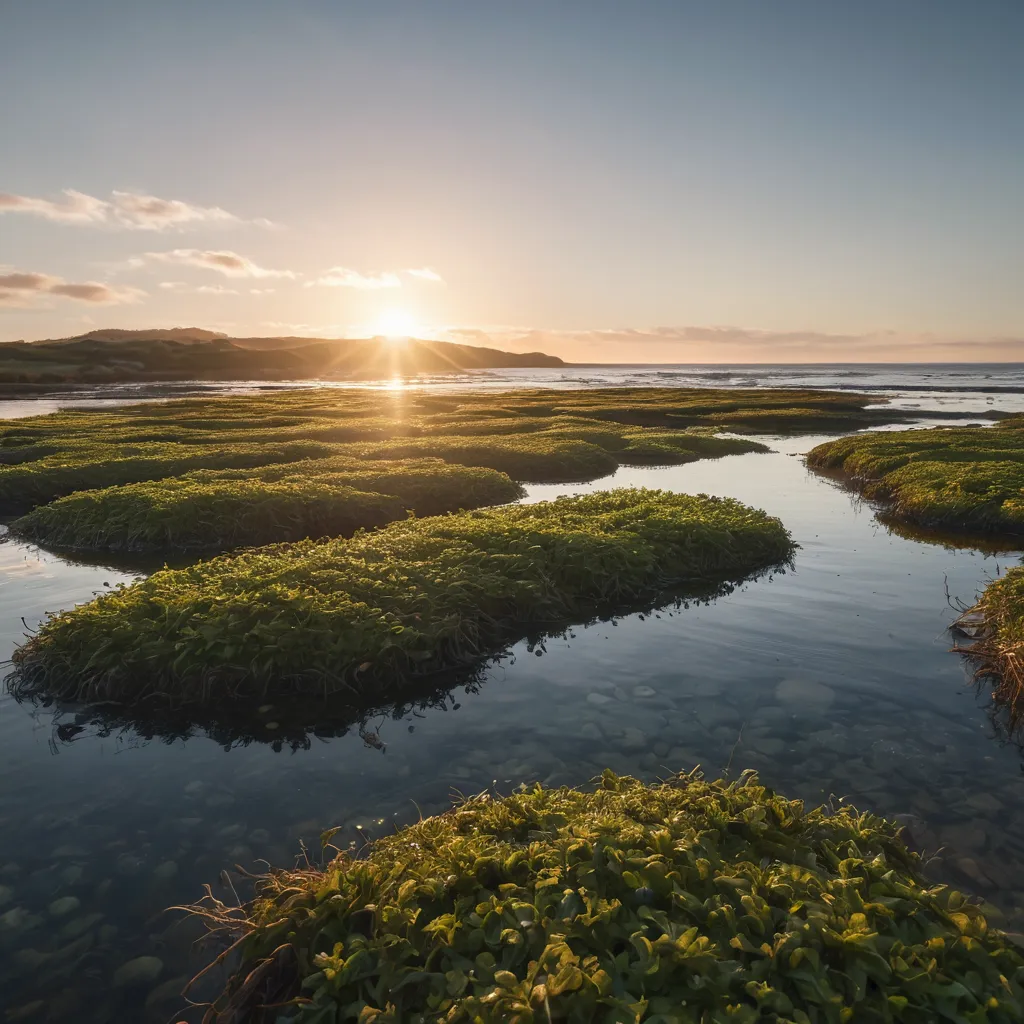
[157, 452]
[80, 465]
[220, 510]
[995, 627]
[969, 478]
[685, 902]
[365, 617]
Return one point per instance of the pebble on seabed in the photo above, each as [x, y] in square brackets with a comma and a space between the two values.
[65, 905]
[141, 971]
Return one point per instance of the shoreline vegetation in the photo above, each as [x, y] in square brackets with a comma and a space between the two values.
[951, 478]
[994, 632]
[684, 900]
[210, 474]
[366, 618]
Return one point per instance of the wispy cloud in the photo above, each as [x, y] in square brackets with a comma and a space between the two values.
[74, 208]
[426, 274]
[231, 264]
[132, 210]
[343, 277]
[20, 289]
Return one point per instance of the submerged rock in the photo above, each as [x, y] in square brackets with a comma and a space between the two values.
[804, 691]
[165, 871]
[80, 925]
[633, 739]
[71, 875]
[142, 970]
[65, 905]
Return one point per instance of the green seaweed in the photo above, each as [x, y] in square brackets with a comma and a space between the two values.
[365, 617]
[994, 627]
[684, 902]
[967, 478]
[220, 510]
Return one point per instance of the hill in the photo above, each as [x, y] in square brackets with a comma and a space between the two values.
[187, 353]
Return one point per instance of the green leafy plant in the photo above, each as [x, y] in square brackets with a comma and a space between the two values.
[967, 478]
[220, 510]
[994, 632]
[364, 617]
[685, 902]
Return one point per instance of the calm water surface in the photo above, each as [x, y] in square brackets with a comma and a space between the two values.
[832, 680]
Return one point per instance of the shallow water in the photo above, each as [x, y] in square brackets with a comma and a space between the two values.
[833, 680]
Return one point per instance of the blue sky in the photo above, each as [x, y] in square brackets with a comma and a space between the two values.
[652, 181]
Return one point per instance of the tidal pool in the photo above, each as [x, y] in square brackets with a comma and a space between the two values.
[833, 680]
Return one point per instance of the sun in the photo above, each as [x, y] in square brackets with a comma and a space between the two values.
[395, 324]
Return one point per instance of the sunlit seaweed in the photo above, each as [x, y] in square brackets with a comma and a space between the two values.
[994, 631]
[364, 616]
[532, 435]
[686, 901]
[967, 478]
[220, 510]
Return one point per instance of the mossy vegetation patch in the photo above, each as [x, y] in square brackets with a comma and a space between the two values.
[366, 616]
[45, 457]
[968, 478]
[220, 510]
[529, 436]
[688, 902]
[994, 628]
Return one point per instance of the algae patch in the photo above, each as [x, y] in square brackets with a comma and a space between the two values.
[365, 617]
[686, 901]
[966, 478]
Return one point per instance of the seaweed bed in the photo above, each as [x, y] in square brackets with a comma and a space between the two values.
[214, 457]
[365, 617]
[223, 509]
[686, 901]
[966, 478]
[994, 628]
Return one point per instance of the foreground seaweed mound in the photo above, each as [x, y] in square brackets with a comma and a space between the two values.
[967, 478]
[995, 629]
[687, 901]
[363, 616]
[219, 510]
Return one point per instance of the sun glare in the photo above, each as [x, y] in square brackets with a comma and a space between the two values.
[395, 324]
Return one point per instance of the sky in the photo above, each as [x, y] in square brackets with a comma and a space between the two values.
[651, 181]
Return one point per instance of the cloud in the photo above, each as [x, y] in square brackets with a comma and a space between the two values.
[19, 290]
[342, 277]
[231, 264]
[132, 210]
[75, 208]
[150, 213]
[426, 274]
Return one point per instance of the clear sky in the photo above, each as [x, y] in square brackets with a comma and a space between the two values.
[608, 180]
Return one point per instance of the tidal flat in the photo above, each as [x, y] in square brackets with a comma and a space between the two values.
[832, 680]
